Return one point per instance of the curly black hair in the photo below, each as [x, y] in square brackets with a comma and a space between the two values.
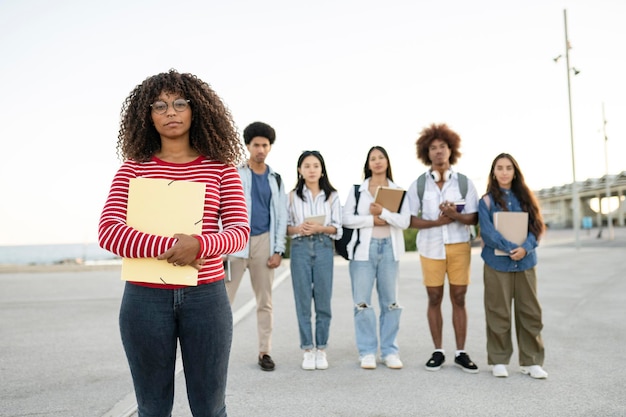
[527, 199]
[213, 132]
[443, 133]
[259, 129]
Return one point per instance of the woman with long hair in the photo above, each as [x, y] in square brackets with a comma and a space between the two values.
[375, 261]
[314, 221]
[511, 276]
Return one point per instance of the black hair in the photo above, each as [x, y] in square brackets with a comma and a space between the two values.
[324, 182]
[367, 172]
[259, 129]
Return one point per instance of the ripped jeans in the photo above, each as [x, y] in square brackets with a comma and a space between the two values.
[381, 269]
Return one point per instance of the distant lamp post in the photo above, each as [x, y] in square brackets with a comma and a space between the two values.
[575, 198]
[609, 217]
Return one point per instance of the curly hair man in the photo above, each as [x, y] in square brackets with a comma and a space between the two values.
[442, 208]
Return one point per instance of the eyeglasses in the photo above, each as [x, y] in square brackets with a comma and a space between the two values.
[160, 107]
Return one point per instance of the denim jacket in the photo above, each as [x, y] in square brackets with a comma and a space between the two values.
[492, 239]
[278, 210]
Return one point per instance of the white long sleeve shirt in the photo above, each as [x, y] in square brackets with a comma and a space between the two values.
[364, 221]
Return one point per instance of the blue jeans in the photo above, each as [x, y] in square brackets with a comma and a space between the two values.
[312, 278]
[152, 320]
[381, 269]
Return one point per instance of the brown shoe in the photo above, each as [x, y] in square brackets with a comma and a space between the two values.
[266, 363]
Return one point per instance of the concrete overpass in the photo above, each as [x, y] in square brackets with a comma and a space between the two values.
[557, 208]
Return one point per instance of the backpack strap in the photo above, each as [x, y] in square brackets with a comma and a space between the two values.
[421, 185]
[462, 184]
[487, 201]
[279, 180]
[357, 195]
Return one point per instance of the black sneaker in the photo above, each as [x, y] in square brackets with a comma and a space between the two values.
[266, 363]
[435, 361]
[464, 362]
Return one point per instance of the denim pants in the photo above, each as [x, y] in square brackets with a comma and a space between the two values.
[311, 262]
[381, 269]
[152, 320]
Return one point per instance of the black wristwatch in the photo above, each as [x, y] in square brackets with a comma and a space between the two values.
[282, 254]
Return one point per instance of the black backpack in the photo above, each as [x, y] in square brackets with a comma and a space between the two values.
[341, 245]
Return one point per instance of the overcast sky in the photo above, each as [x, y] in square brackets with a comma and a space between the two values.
[336, 76]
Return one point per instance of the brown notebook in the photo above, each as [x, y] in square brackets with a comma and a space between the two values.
[390, 198]
[513, 225]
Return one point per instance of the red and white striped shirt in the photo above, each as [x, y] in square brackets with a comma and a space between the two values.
[224, 200]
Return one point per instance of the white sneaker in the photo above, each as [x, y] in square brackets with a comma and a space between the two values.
[392, 361]
[308, 363]
[320, 360]
[368, 361]
[535, 371]
[500, 371]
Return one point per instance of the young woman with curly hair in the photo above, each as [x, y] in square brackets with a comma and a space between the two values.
[175, 127]
[513, 276]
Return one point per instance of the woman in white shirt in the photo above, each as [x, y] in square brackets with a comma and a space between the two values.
[375, 261]
[314, 221]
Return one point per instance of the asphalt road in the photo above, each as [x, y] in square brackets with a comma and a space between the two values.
[60, 353]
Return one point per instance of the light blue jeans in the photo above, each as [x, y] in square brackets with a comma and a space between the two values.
[311, 261]
[381, 269]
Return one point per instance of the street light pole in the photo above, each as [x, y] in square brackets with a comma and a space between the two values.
[609, 217]
[575, 199]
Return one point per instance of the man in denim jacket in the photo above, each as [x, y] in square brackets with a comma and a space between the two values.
[267, 213]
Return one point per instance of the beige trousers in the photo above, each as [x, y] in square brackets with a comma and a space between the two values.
[262, 279]
[501, 288]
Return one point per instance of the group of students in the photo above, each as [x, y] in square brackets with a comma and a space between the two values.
[442, 211]
[175, 127]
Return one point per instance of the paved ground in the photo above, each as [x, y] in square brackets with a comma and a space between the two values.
[60, 353]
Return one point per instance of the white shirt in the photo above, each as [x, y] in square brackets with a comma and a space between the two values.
[431, 241]
[299, 209]
[364, 221]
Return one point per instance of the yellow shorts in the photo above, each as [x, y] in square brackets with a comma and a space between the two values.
[456, 265]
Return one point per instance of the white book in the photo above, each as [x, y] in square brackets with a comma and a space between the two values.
[316, 219]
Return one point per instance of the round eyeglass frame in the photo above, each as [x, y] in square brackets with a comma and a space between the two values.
[180, 104]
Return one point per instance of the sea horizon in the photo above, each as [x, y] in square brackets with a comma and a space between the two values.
[49, 254]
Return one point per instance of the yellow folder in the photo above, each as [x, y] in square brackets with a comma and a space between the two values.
[513, 225]
[163, 207]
